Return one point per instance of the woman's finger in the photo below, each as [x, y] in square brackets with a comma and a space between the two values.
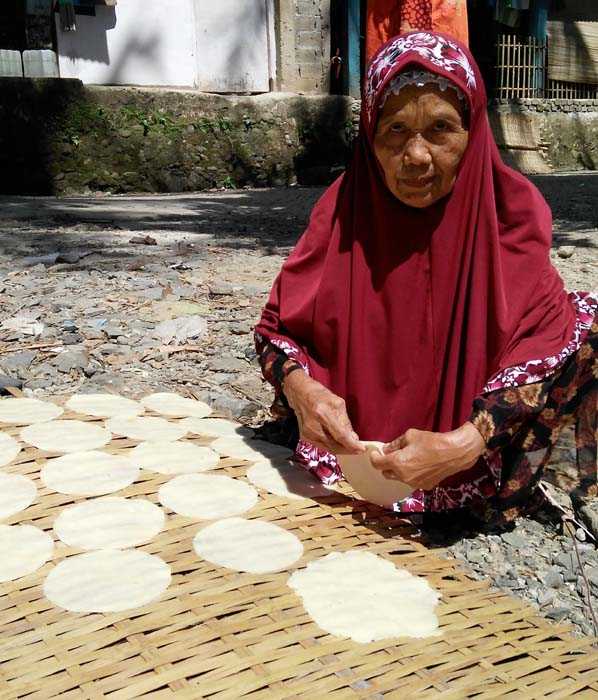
[381, 461]
[394, 445]
[340, 430]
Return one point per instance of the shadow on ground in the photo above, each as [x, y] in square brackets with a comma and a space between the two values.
[267, 220]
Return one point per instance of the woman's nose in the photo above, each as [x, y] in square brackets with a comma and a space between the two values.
[417, 152]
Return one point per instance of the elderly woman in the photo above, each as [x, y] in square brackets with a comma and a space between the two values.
[420, 308]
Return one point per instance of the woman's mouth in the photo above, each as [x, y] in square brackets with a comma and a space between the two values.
[417, 183]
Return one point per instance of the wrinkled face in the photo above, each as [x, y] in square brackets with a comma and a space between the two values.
[419, 142]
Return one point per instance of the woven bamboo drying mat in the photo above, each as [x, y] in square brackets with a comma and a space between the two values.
[220, 635]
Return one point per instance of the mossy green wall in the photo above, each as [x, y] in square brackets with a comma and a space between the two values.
[59, 137]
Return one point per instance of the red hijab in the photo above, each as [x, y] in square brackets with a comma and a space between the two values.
[404, 312]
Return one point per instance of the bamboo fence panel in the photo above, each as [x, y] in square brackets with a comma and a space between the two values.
[224, 635]
[521, 72]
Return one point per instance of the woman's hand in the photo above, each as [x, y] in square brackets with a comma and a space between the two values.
[423, 459]
[322, 415]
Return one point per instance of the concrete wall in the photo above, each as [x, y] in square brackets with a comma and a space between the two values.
[137, 42]
[303, 46]
[223, 46]
[235, 45]
[59, 137]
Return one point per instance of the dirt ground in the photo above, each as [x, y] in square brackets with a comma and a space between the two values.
[70, 264]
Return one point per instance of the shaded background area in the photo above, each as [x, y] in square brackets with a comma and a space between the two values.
[262, 219]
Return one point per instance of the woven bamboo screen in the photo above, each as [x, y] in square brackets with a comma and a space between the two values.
[521, 72]
[223, 635]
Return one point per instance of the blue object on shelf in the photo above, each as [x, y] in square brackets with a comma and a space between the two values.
[353, 47]
[538, 21]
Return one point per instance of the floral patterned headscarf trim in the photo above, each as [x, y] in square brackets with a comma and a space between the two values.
[419, 78]
[433, 50]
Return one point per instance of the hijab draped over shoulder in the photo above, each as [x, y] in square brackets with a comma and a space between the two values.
[406, 313]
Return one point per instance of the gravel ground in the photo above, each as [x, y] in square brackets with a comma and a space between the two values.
[139, 293]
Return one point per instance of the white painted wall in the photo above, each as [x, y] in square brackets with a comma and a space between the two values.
[235, 45]
[138, 42]
[214, 45]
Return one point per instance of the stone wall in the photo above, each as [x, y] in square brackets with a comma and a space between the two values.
[58, 136]
[547, 135]
[303, 35]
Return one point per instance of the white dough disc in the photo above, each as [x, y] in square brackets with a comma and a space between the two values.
[23, 549]
[104, 405]
[207, 496]
[111, 522]
[64, 436]
[360, 595]
[216, 427]
[286, 480]
[28, 411]
[17, 492]
[251, 450]
[176, 406]
[89, 473]
[254, 546]
[146, 428]
[108, 580]
[174, 457]
[9, 449]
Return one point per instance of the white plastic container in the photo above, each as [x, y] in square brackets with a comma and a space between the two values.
[11, 65]
[40, 63]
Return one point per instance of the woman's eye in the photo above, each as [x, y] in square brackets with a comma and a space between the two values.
[398, 128]
[441, 126]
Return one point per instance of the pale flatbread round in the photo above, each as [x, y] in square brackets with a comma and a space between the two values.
[216, 427]
[23, 550]
[89, 473]
[359, 595]
[286, 480]
[146, 428]
[250, 450]
[17, 492]
[176, 406]
[65, 436]
[104, 405]
[9, 449]
[111, 522]
[207, 496]
[253, 546]
[27, 411]
[174, 457]
[107, 581]
[369, 482]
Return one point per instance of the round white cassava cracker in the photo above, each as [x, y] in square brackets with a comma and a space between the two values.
[28, 411]
[9, 449]
[286, 480]
[104, 405]
[207, 496]
[64, 436]
[17, 492]
[109, 580]
[111, 522]
[90, 473]
[174, 457]
[148, 428]
[23, 550]
[362, 596]
[253, 546]
[216, 427]
[250, 450]
[175, 406]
